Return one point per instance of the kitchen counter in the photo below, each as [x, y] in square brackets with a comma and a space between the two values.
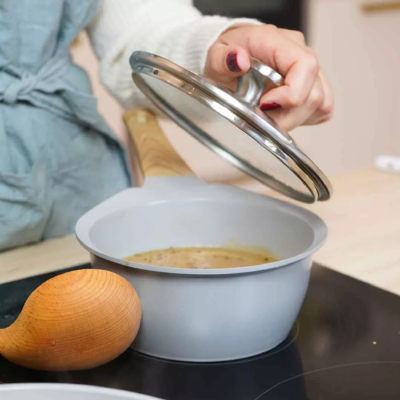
[363, 219]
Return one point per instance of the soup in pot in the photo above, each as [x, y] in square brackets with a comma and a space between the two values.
[203, 257]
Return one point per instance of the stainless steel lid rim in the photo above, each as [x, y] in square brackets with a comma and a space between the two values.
[216, 92]
[291, 156]
[233, 158]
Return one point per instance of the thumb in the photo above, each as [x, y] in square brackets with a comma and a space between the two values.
[225, 63]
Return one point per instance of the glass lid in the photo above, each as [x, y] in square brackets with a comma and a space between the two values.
[231, 123]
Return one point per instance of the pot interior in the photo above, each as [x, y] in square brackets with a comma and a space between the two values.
[285, 230]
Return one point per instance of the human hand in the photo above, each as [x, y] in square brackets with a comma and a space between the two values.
[305, 98]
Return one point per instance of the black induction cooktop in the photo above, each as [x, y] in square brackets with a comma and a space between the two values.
[345, 345]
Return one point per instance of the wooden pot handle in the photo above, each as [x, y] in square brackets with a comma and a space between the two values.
[156, 155]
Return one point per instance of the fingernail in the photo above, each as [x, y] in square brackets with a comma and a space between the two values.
[232, 62]
[270, 106]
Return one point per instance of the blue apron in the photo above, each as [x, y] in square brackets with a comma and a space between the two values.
[58, 157]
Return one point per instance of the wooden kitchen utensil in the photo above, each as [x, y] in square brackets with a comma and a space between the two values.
[77, 320]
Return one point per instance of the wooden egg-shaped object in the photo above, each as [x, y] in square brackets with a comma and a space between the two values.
[77, 320]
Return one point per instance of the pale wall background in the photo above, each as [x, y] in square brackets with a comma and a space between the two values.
[360, 53]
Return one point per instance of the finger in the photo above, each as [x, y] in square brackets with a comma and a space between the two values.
[299, 38]
[297, 85]
[290, 119]
[225, 62]
[298, 64]
[329, 100]
[325, 110]
[308, 112]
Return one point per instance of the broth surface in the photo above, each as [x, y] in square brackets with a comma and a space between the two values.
[203, 257]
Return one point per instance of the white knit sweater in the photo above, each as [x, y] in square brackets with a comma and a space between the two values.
[170, 28]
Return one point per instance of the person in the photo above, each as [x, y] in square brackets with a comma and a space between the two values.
[58, 157]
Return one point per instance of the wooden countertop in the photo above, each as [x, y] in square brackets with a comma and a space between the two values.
[364, 242]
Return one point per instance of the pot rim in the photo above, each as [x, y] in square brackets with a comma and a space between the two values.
[317, 225]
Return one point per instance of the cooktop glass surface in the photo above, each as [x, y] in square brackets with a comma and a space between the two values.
[345, 345]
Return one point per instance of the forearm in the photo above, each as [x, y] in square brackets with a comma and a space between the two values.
[173, 29]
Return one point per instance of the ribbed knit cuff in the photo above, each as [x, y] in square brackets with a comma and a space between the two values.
[172, 30]
[207, 32]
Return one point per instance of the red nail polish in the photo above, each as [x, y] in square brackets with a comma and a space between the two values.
[232, 62]
[270, 106]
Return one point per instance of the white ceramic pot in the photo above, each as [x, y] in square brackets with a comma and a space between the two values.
[206, 315]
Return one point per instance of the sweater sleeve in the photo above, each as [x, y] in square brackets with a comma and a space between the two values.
[170, 28]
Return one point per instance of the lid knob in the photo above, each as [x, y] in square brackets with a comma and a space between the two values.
[259, 79]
